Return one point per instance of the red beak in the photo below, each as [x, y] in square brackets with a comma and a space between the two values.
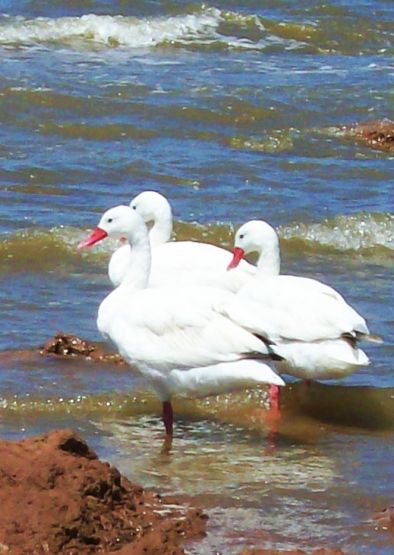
[97, 235]
[238, 255]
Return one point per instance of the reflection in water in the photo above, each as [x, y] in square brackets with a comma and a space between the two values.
[227, 470]
[206, 456]
[299, 494]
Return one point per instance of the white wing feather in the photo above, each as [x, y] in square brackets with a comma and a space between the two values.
[290, 308]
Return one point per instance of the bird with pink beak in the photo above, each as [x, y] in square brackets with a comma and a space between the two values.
[176, 336]
[316, 329]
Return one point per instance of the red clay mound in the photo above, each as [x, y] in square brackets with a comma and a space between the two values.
[56, 497]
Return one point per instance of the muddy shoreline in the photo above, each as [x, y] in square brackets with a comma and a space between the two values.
[57, 497]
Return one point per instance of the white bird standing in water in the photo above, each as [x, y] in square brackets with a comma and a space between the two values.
[176, 336]
[315, 328]
[177, 262]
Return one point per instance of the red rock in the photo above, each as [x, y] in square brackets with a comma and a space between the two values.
[377, 134]
[385, 518]
[57, 497]
[65, 345]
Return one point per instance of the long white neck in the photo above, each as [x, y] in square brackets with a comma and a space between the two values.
[138, 262]
[161, 230]
[268, 263]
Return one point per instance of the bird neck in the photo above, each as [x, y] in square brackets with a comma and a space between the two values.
[268, 263]
[139, 264]
[161, 230]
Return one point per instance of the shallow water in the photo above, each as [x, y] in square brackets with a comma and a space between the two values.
[234, 112]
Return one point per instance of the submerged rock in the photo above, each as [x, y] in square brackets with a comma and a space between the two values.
[385, 519]
[57, 497]
[66, 345]
[377, 134]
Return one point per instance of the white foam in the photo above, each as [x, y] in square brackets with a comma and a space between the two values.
[110, 30]
[199, 27]
[351, 232]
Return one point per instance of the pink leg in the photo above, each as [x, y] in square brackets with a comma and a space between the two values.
[273, 416]
[274, 396]
[168, 417]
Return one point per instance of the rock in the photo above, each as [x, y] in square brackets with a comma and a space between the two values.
[57, 497]
[385, 518]
[377, 134]
[66, 345]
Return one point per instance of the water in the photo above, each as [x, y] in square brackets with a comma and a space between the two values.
[234, 111]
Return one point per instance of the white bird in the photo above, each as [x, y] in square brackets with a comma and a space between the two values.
[315, 328]
[177, 262]
[176, 336]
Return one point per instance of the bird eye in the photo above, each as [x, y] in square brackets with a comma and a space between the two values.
[109, 220]
[134, 207]
[242, 236]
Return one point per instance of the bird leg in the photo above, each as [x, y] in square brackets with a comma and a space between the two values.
[168, 417]
[274, 396]
[273, 416]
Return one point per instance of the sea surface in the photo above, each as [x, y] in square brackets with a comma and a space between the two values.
[233, 110]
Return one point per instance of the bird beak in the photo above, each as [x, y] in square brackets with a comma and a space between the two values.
[96, 235]
[238, 255]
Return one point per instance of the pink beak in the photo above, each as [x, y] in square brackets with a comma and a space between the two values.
[97, 235]
[238, 255]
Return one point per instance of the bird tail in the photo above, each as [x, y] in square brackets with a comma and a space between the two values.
[370, 337]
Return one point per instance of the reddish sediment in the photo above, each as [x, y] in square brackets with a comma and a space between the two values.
[57, 497]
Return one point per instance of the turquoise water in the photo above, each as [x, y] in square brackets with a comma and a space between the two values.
[234, 111]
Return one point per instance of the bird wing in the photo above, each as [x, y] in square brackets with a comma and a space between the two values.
[291, 308]
[174, 327]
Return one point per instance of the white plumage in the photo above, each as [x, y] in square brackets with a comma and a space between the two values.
[176, 336]
[314, 326]
[177, 262]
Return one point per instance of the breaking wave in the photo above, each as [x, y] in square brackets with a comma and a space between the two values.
[368, 234]
[364, 232]
[206, 27]
[209, 27]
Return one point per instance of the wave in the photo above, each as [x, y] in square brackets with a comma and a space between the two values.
[111, 30]
[367, 234]
[205, 27]
[364, 407]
